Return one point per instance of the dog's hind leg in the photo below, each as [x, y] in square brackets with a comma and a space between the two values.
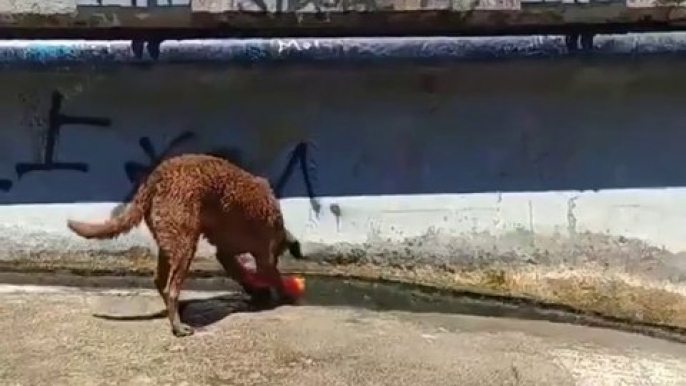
[177, 231]
[180, 258]
[162, 275]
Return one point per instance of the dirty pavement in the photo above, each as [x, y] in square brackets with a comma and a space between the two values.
[51, 337]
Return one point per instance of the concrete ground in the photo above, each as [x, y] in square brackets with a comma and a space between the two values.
[52, 338]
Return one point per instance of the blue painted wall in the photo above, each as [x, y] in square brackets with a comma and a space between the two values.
[384, 130]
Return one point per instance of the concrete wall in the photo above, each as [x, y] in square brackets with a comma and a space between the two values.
[516, 162]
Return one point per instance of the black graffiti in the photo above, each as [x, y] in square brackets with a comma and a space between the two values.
[55, 122]
[152, 46]
[298, 157]
[136, 170]
[5, 185]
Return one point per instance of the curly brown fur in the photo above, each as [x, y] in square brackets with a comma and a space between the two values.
[196, 195]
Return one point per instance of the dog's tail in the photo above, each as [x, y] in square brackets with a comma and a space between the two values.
[121, 223]
[293, 246]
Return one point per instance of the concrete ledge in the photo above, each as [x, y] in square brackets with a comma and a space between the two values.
[45, 54]
[593, 288]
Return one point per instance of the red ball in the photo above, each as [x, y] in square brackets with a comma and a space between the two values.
[294, 286]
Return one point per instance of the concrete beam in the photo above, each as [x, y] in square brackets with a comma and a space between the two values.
[222, 18]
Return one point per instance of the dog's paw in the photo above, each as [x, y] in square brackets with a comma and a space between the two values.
[261, 298]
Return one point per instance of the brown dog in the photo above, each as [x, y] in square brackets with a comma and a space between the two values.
[195, 195]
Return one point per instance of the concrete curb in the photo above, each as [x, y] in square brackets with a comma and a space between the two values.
[587, 291]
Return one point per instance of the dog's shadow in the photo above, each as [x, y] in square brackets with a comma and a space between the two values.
[203, 312]
[196, 312]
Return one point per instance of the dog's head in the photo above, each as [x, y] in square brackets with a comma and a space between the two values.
[291, 244]
[294, 249]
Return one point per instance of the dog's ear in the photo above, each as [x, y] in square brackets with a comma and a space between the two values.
[294, 250]
[293, 245]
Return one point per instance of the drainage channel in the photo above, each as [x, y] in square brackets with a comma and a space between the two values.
[373, 295]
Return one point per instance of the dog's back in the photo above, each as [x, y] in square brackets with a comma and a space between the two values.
[232, 206]
[235, 204]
